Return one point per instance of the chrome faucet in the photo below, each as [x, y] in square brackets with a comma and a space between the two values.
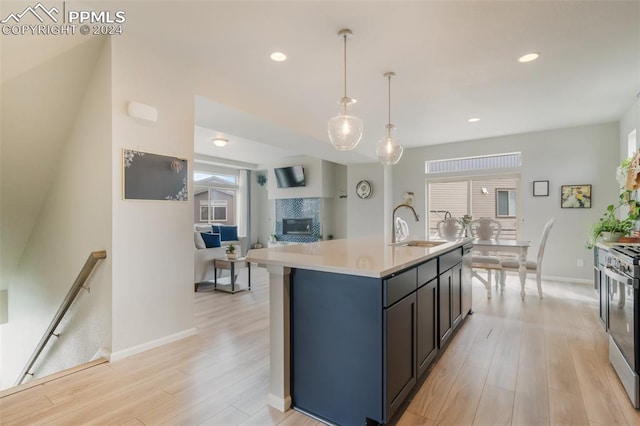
[393, 219]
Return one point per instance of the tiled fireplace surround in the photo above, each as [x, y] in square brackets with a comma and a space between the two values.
[298, 208]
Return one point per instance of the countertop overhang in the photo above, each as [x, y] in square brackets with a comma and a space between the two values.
[364, 256]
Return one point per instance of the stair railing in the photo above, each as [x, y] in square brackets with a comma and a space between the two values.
[64, 307]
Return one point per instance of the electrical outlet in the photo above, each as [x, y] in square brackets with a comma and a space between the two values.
[580, 263]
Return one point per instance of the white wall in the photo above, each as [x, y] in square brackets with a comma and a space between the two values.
[338, 209]
[580, 155]
[630, 121]
[153, 252]
[75, 219]
[260, 223]
[365, 217]
[313, 174]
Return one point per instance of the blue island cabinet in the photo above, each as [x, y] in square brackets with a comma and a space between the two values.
[359, 344]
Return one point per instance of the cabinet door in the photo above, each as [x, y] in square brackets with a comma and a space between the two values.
[444, 306]
[400, 357]
[456, 294]
[426, 325]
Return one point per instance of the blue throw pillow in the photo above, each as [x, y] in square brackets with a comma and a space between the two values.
[228, 233]
[215, 229]
[211, 240]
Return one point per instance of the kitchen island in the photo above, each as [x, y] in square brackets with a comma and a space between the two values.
[355, 322]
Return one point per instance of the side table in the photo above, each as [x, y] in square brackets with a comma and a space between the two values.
[231, 265]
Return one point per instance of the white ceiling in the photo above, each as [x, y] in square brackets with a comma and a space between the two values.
[453, 59]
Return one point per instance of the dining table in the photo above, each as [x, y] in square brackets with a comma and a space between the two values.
[518, 247]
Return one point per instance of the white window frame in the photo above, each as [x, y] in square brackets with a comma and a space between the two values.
[509, 191]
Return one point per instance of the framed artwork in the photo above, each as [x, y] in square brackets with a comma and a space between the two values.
[575, 197]
[154, 177]
[540, 188]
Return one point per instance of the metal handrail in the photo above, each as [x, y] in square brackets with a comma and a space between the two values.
[64, 307]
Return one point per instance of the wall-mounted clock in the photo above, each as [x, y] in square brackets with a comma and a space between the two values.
[364, 189]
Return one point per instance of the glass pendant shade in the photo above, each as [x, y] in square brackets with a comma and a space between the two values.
[388, 149]
[345, 130]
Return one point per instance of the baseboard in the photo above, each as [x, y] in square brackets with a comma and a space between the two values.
[118, 355]
[568, 280]
[103, 353]
[282, 404]
[560, 279]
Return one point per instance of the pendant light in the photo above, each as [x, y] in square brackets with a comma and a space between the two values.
[345, 130]
[389, 150]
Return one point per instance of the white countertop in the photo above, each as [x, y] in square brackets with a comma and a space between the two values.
[365, 256]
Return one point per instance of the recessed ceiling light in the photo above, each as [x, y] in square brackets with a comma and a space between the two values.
[278, 56]
[528, 57]
[473, 120]
[220, 142]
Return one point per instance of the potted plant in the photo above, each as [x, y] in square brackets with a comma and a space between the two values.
[609, 227]
[231, 251]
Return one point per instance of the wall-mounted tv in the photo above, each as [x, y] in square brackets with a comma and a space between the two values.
[288, 177]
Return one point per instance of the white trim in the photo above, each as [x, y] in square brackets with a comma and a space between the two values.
[102, 353]
[116, 356]
[568, 279]
[559, 279]
[282, 404]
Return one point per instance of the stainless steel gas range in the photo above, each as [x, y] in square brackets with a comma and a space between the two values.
[623, 284]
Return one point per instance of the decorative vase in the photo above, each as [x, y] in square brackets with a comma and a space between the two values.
[612, 237]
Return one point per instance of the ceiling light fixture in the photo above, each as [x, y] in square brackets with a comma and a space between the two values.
[473, 120]
[528, 57]
[389, 150]
[220, 142]
[345, 130]
[278, 56]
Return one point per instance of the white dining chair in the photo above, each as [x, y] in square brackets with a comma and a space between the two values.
[513, 265]
[486, 228]
[488, 263]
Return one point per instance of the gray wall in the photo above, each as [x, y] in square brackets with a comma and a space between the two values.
[365, 217]
[261, 226]
[580, 155]
[629, 121]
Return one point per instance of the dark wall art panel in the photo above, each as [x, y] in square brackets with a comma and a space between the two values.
[154, 177]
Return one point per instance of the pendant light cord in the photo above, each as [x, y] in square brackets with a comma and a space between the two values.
[389, 109]
[345, 65]
[389, 99]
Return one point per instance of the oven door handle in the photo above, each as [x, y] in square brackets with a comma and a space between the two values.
[609, 272]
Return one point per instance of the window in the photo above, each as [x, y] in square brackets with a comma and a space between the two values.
[506, 202]
[474, 196]
[216, 196]
[483, 162]
[216, 211]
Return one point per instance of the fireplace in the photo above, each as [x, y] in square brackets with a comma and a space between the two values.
[297, 226]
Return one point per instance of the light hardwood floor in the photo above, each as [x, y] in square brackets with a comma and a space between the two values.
[536, 362]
